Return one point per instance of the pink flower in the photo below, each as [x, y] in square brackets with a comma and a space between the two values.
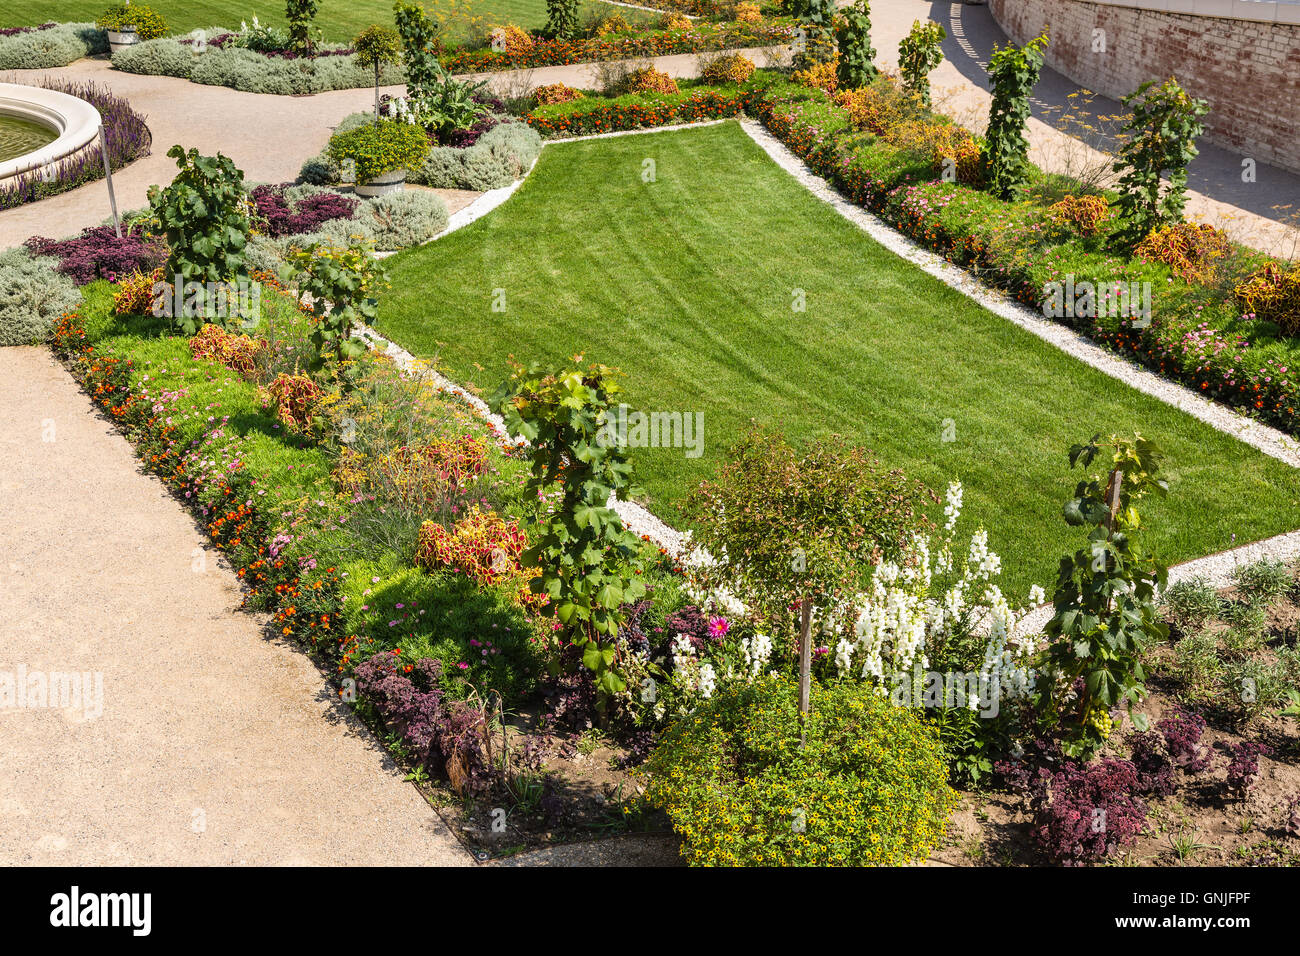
[718, 628]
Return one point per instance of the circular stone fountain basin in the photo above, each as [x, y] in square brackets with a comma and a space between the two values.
[44, 126]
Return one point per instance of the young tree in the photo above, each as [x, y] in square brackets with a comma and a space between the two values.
[419, 49]
[376, 46]
[1162, 140]
[815, 19]
[795, 534]
[918, 53]
[853, 36]
[1014, 72]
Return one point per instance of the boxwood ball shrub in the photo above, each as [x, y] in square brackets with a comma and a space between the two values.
[381, 147]
[33, 294]
[51, 45]
[870, 788]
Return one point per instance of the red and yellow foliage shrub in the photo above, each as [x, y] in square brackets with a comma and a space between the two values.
[483, 546]
[821, 76]
[731, 68]
[296, 399]
[239, 353]
[1085, 214]
[135, 294]
[674, 21]
[555, 93]
[513, 39]
[650, 80]
[748, 13]
[1190, 249]
[1274, 296]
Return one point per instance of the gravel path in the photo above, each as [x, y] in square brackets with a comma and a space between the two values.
[215, 744]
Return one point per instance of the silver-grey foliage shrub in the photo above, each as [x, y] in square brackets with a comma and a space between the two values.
[498, 158]
[57, 46]
[32, 297]
[165, 56]
[402, 219]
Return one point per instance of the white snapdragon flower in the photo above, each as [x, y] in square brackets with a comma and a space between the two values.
[843, 655]
[952, 510]
[708, 680]
[1036, 595]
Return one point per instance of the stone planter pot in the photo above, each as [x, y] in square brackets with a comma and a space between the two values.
[120, 39]
[392, 182]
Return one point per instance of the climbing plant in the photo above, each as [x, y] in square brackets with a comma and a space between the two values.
[855, 68]
[341, 284]
[562, 19]
[590, 564]
[918, 53]
[816, 38]
[1104, 610]
[300, 14]
[1014, 72]
[1161, 142]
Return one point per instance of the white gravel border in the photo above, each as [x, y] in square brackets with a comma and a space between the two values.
[1216, 568]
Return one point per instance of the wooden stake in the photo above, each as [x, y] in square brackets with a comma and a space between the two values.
[108, 174]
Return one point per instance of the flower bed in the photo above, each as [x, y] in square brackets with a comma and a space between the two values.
[589, 116]
[702, 38]
[125, 130]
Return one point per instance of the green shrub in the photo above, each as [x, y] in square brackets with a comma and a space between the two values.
[1264, 581]
[381, 147]
[1191, 604]
[869, 789]
[55, 47]
[32, 297]
[146, 21]
[855, 68]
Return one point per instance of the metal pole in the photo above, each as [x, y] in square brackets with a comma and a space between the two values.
[108, 174]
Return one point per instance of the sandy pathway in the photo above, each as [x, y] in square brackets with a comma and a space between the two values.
[215, 745]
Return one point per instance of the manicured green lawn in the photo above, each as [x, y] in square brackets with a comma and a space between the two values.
[339, 19]
[686, 284]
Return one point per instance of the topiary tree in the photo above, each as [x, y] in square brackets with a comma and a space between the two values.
[376, 46]
[204, 215]
[590, 564]
[918, 53]
[1014, 72]
[300, 14]
[855, 68]
[791, 531]
[1162, 141]
[562, 19]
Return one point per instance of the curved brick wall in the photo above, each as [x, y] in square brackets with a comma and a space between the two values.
[1245, 61]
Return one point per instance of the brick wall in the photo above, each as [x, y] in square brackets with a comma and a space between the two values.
[1248, 71]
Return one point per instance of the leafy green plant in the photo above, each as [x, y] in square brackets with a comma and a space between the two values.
[1263, 581]
[1161, 142]
[562, 19]
[380, 147]
[341, 283]
[447, 105]
[419, 47]
[1014, 73]
[869, 788]
[204, 215]
[918, 53]
[1104, 605]
[300, 14]
[375, 46]
[590, 564]
[855, 68]
[147, 23]
[816, 24]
